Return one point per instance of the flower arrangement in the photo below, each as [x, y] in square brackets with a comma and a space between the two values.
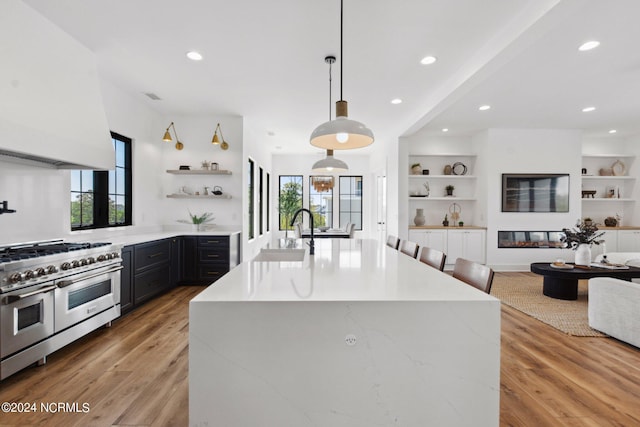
[582, 233]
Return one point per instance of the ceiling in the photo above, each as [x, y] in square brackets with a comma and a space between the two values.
[264, 61]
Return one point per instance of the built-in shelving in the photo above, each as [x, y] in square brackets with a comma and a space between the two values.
[199, 196]
[445, 198]
[198, 172]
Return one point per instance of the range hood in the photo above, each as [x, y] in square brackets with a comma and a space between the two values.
[51, 108]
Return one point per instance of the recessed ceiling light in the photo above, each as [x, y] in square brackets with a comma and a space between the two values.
[484, 107]
[194, 56]
[613, 131]
[445, 130]
[278, 147]
[589, 45]
[427, 60]
[587, 109]
[396, 101]
[271, 133]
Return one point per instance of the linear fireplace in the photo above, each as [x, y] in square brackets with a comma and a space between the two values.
[530, 239]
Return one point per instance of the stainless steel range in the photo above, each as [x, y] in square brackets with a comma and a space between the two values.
[52, 293]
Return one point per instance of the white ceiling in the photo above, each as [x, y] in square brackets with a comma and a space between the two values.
[264, 60]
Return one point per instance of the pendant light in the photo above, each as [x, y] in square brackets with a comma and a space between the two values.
[330, 163]
[341, 133]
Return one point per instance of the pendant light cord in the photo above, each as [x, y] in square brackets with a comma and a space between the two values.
[341, 55]
[330, 91]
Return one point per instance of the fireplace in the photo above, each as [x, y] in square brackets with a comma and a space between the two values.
[530, 239]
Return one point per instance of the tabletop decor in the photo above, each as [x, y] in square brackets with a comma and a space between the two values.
[580, 238]
[198, 221]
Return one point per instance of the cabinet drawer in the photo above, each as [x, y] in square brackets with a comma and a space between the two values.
[211, 273]
[213, 255]
[210, 241]
[151, 282]
[152, 254]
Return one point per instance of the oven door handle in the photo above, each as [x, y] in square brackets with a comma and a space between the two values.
[65, 283]
[13, 298]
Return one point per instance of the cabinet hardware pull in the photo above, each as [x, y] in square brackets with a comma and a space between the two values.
[213, 241]
[213, 273]
[213, 256]
[155, 255]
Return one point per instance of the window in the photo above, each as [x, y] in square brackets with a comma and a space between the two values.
[290, 199]
[351, 201]
[268, 199]
[103, 198]
[251, 213]
[260, 199]
[321, 200]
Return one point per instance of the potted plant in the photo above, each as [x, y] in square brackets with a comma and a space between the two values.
[460, 223]
[446, 221]
[197, 221]
[416, 169]
[580, 238]
[449, 189]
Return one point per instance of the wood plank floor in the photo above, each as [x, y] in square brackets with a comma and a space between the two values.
[136, 374]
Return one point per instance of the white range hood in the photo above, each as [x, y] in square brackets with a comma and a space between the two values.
[51, 107]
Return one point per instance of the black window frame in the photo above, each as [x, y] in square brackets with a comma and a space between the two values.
[252, 217]
[301, 178]
[101, 194]
[359, 192]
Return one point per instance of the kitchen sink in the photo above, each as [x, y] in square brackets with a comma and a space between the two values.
[280, 255]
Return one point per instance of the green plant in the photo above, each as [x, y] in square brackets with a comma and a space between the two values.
[290, 201]
[449, 188]
[461, 223]
[201, 219]
[415, 164]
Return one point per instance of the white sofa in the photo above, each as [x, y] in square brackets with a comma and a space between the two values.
[628, 258]
[614, 305]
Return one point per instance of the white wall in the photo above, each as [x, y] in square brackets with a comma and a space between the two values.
[530, 151]
[256, 149]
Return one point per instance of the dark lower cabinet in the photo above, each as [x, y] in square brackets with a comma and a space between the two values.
[207, 258]
[126, 280]
[152, 268]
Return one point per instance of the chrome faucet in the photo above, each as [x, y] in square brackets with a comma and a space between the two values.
[311, 244]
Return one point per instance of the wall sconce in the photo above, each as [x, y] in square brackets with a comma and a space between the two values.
[215, 140]
[167, 137]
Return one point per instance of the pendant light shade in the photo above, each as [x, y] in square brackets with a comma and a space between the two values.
[330, 164]
[341, 133]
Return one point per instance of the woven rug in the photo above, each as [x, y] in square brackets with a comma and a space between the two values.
[524, 293]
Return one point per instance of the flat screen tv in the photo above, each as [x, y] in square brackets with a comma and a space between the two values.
[535, 192]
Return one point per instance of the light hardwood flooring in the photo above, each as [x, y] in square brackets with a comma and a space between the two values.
[136, 373]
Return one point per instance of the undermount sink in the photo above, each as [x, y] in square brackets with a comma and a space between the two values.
[280, 255]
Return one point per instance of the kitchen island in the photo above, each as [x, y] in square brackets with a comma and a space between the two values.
[357, 335]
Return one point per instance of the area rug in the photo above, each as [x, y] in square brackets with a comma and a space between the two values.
[524, 293]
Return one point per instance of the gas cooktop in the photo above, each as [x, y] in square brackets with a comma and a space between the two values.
[34, 250]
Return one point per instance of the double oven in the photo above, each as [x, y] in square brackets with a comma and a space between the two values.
[52, 293]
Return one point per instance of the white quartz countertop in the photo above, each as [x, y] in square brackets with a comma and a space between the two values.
[341, 270]
[134, 239]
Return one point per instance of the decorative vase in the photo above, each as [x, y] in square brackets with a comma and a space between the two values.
[447, 170]
[583, 254]
[416, 170]
[419, 219]
[195, 227]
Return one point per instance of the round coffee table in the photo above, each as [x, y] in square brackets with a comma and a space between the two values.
[563, 283]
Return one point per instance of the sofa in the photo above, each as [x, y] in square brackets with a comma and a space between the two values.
[627, 258]
[614, 305]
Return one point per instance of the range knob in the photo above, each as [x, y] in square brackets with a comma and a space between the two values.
[75, 263]
[102, 257]
[40, 271]
[29, 274]
[51, 269]
[84, 261]
[65, 265]
[115, 255]
[91, 260]
[15, 278]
